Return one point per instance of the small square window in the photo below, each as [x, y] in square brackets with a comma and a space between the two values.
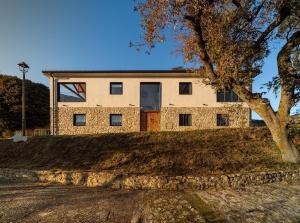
[79, 120]
[116, 88]
[115, 120]
[222, 120]
[185, 88]
[185, 120]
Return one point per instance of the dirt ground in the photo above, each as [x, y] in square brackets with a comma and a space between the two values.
[32, 203]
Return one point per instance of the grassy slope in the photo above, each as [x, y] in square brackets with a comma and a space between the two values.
[196, 152]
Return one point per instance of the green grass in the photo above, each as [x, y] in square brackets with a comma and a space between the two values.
[173, 153]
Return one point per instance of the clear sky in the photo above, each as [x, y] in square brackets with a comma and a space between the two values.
[83, 35]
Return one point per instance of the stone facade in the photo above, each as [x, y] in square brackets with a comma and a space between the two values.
[98, 119]
[204, 117]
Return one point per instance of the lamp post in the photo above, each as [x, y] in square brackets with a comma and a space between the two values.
[24, 69]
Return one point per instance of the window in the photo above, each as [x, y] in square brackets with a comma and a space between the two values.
[222, 120]
[150, 96]
[79, 120]
[115, 120]
[71, 92]
[185, 120]
[227, 96]
[185, 88]
[116, 88]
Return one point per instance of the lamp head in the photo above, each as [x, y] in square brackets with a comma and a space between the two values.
[23, 66]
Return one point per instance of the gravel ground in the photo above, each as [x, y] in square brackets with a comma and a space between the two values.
[20, 202]
[269, 203]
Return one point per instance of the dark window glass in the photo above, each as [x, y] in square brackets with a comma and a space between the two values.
[79, 120]
[235, 97]
[185, 119]
[150, 96]
[71, 92]
[227, 96]
[116, 88]
[220, 96]
[185, 88]
[115, 120]
[222, 120]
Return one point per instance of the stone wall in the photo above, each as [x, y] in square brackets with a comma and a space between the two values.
[97, 119]
[204, 118]
[109, 180]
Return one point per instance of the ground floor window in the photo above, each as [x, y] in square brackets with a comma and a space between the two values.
[222, 120]
[185, 119]
[79, 120]
[115, 120]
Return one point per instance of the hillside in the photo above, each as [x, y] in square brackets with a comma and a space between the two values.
[37, 100]
[196, 152]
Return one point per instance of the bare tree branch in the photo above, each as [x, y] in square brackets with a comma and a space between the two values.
[287, 79]
[196, 23]
[245, 13]
[285, 11]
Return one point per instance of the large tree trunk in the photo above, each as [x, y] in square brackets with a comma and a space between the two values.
[277, 122]
[281, 137]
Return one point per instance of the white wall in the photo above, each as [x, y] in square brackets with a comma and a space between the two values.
[98, 92]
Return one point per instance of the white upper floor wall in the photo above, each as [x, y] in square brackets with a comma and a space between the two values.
[98, 92]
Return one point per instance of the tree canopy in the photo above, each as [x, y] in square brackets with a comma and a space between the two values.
[231, 39]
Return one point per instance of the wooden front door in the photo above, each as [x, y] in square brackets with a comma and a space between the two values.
[150, 121]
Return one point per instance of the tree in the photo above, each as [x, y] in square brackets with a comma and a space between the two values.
[37, 104]
[231, 39]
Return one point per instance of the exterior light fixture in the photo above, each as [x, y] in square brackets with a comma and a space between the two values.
[24, 69]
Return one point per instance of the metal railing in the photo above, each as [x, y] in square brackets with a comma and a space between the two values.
[41, 132]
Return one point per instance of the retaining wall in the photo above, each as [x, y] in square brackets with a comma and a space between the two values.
[106, 179]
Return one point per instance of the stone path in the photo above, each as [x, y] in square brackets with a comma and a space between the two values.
[171, 207]
[269, 203]
[59, 204]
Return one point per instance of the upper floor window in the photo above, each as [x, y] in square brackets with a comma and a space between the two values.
[222, 120]
[185, 120]
[79, 120]
[115, 120]
[71, 92]
[227, 96]
[150, 98]
[185, 88]
[116, 88]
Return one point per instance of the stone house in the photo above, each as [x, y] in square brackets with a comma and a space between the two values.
[91, 102]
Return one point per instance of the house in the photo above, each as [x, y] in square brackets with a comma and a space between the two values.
[91, 102]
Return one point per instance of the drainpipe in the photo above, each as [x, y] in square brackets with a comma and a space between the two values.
[53, 104]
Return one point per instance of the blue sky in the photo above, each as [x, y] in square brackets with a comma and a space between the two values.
[82, 34]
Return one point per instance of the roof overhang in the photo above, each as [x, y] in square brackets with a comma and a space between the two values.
[122, 73]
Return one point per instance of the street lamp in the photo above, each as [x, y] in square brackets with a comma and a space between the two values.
[24, 69]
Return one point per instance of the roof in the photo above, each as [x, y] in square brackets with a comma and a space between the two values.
[121, 73]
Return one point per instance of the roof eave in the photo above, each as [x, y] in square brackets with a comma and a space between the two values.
[121, 73]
